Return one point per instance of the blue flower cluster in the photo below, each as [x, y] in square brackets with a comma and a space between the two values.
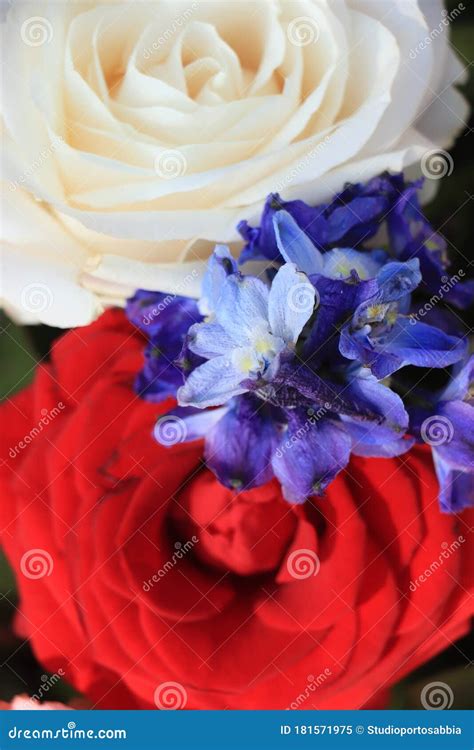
[288, 373]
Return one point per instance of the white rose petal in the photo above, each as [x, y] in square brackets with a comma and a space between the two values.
[139, 134]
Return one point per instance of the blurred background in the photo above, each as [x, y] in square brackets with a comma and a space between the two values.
[451, 213]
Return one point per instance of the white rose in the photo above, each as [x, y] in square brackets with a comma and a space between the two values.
[139, 133]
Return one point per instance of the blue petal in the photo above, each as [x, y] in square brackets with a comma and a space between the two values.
[290, 303]
[422, 345]
[242, 307]
[209, 340]
[381, 435]
[295, 246]
[212, 384]
[337, 299]
[240, 445]
[456, 490]
[310, 455]
[458, 448]
[358, 346]
[460, 386]
[221, 264]
[160, 378]
[396, 280]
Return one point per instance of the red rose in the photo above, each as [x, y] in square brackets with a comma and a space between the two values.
[149, 583]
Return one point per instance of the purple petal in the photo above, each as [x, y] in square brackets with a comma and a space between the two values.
[240, 445]
[310, 455]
